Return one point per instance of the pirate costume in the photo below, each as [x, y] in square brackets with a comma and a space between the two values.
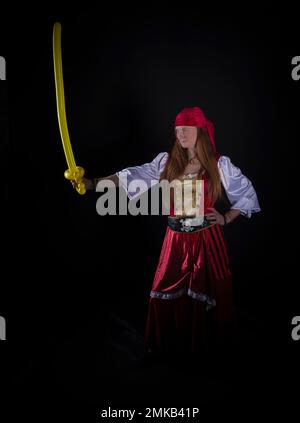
[191, 300]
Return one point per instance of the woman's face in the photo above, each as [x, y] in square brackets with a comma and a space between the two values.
[187, 136]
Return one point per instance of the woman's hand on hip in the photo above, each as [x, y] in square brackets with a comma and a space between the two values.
[215, 217]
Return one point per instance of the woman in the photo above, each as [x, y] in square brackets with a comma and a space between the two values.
[191, 301]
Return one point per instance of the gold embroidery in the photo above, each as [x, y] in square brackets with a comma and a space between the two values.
[185, 195]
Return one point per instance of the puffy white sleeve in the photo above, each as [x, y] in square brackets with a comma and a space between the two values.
[238, 187]
[138, 179]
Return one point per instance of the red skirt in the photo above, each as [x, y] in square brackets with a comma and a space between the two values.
[191, 301]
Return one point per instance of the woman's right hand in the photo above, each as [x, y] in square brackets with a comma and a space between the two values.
[89, 184]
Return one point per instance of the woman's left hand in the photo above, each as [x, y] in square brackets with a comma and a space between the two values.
[215, 216]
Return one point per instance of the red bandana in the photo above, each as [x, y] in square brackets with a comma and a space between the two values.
[194, 116]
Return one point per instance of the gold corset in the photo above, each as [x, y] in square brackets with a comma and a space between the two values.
[187, 198]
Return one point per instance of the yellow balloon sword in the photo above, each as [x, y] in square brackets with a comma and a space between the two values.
[74, 173]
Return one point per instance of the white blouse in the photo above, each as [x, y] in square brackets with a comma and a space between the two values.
[238, 187]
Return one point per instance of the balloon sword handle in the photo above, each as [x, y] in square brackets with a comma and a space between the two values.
[76, 175]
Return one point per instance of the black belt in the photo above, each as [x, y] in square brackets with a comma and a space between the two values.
[185, 224]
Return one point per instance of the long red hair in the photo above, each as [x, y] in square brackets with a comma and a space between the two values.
[204, 151]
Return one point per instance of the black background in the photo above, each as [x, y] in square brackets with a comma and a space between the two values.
[127, 73]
